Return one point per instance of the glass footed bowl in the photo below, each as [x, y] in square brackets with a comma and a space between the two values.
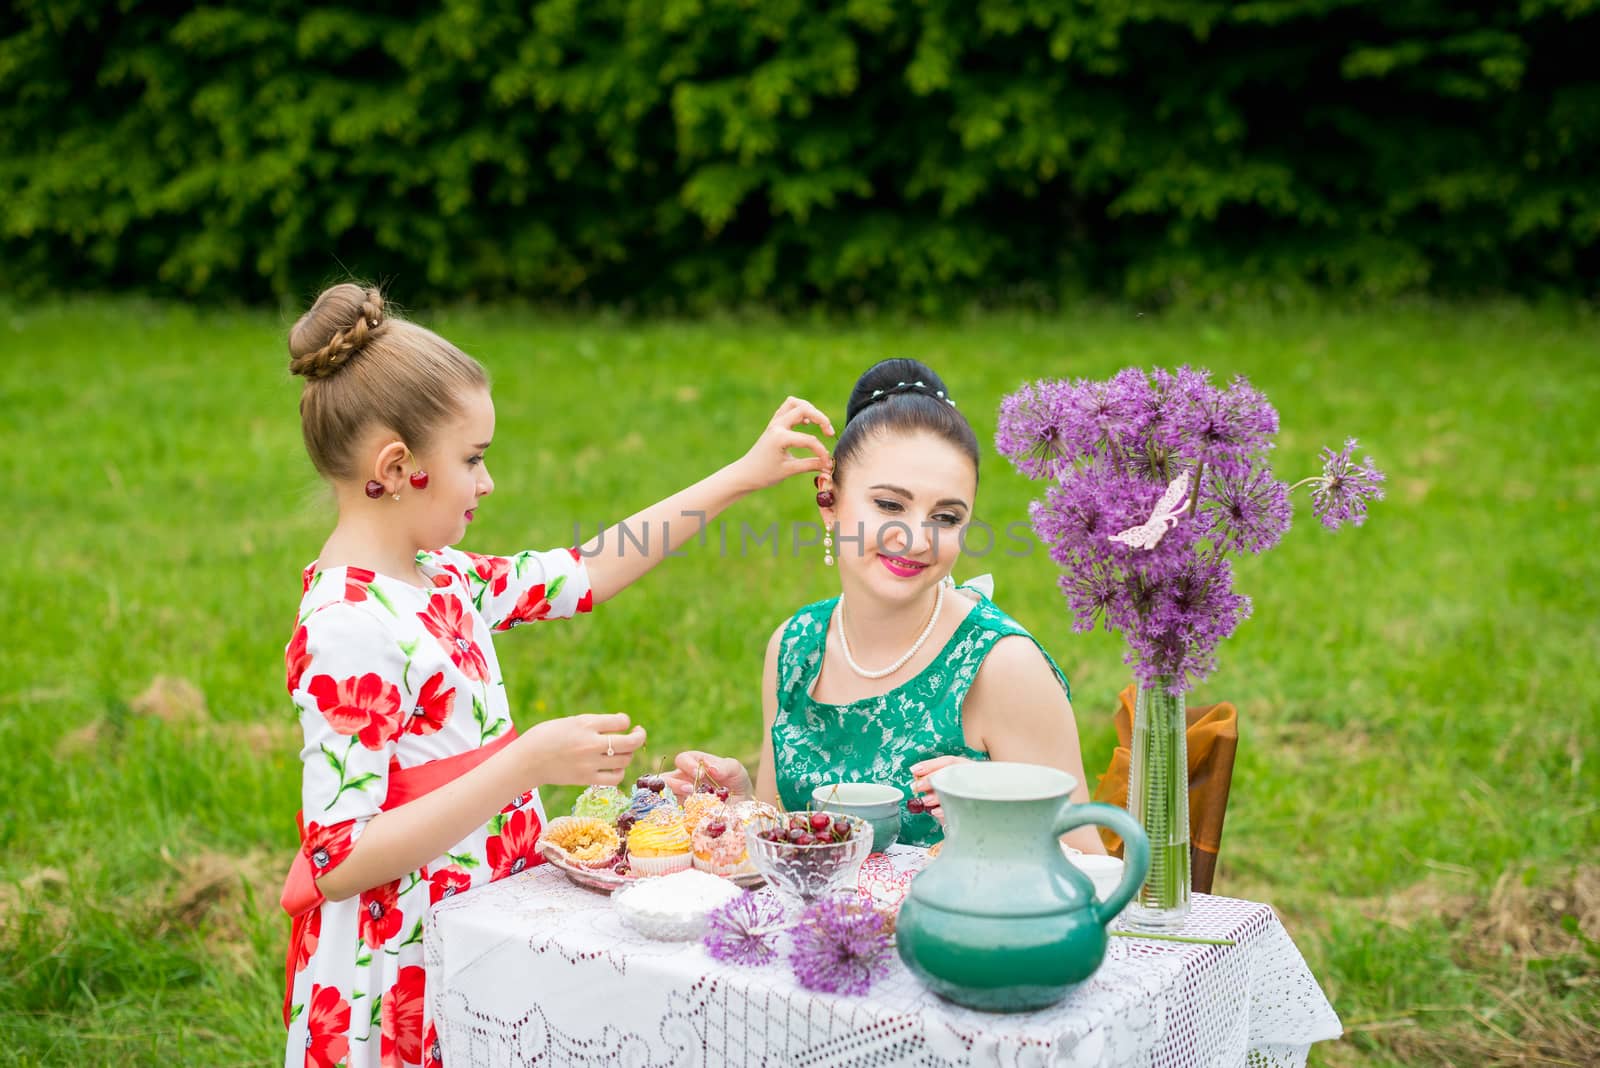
[805, 873]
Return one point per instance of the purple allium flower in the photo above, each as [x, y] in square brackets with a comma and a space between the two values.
[743, 931]
[1037, 429]
[1340, 495]
[840, 945]
[1252, 509]
[1109, 451]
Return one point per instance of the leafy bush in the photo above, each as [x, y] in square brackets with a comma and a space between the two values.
[721, 151]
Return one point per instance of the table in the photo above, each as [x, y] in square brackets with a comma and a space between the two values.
[534, 970]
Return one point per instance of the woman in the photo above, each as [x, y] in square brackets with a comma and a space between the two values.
[903, 673]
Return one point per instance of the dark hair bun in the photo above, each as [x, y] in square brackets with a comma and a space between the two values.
[889, 377]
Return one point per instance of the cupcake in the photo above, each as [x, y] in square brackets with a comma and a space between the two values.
[658, 844]
[592, 843]
[699, 807]
[601, 803]
[718, 846]
[646, 801]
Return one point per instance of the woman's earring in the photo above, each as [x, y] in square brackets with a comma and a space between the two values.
[827, 547]
[374, 488]
[419, 480]
[825, 499]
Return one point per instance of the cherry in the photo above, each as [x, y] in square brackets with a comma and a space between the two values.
[805, 839]
[819, 822]
[916, 806]
[841, 826]
[795, 834]
[715, 829]
[625, 822]
[722, 794]
[704, 788]
[653, 783]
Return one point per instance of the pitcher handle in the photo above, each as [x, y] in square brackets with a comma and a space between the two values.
[1135, 849]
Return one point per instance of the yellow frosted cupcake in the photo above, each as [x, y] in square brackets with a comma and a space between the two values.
[659, 844]
[590, 842]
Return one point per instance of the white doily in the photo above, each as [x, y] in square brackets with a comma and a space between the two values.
[533, 970]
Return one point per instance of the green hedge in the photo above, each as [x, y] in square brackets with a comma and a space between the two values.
[787, 152]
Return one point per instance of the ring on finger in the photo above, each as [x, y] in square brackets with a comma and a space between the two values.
[610, 748]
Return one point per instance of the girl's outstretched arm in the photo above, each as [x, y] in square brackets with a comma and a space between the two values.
[576, 749]
[614, 560]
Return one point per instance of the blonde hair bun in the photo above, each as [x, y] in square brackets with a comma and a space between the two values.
[334, 330]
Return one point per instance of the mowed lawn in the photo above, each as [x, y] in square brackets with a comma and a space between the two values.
[1417, 789]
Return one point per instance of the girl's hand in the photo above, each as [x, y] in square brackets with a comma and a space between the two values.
[921, 771]
[721, 771]
[768, 462]
[585, 750]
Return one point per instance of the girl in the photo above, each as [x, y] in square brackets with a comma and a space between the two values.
[415, 784]
[902, 673]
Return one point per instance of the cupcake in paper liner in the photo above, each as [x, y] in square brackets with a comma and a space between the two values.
[700, 807]
[719, 847]
[658, 844]
[589, 842]
[601, 803]
[645, 801]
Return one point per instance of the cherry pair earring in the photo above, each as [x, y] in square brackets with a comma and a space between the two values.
[418, 480]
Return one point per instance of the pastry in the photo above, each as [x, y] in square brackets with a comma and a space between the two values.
[590, 842]
[718, 846]
[601, 803]
[699, 807]
[658, 844]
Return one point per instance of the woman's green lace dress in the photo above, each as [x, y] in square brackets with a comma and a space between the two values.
[880, 738]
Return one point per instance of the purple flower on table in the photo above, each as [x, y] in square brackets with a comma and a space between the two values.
[840, 945]
[1340, 495]
[743, 931]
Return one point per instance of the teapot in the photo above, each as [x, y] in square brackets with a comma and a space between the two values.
[1001, 920]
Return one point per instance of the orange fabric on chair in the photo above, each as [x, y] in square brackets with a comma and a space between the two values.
[1212, 739]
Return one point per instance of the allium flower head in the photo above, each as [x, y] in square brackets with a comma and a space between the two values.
[745, 930]
[1341, 494]
[1036, 431]
[840, 945]
[1252, 509]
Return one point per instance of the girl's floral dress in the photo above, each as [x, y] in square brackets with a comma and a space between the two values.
[388, 676]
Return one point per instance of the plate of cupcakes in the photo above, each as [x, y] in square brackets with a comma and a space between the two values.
[614, 838]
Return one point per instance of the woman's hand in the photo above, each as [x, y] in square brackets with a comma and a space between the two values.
[589, 750]
[920, 773]
[692, 766]
[768, 462]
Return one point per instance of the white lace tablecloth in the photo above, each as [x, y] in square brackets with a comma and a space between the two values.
[533, 970]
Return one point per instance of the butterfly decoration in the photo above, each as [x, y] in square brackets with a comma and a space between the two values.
[1168, 510]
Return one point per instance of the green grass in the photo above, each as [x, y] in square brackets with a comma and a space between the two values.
[1416, 789]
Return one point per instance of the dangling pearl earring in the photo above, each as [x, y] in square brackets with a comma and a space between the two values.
[827, 547]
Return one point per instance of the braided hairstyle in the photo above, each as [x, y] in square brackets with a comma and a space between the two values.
[901, 397]
[364, 367]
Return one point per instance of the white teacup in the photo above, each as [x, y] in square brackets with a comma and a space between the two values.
[1105, 872]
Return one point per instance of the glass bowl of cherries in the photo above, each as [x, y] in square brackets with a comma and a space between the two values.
[808, 855]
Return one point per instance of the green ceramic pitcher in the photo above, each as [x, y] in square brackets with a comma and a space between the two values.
[1001, 920]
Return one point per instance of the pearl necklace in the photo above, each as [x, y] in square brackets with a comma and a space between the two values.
[844, 642]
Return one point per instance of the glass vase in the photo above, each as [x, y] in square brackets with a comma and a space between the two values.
[1158, 797]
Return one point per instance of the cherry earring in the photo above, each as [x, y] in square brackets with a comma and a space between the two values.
[374, 488]
[825, 499]
[419, 480]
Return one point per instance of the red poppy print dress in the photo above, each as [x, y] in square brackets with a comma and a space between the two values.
[388, 676]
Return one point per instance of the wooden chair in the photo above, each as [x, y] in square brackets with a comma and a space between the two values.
[1212, 739]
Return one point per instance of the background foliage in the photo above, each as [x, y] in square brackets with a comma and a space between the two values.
[791, 151]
